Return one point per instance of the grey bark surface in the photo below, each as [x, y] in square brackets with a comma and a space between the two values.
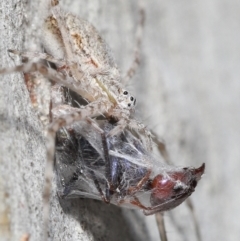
[188, 92]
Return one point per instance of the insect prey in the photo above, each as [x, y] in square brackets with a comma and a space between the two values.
[118, 170]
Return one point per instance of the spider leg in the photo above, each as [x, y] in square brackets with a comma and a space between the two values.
[194, 217]
[136, 60]
[135, 125]
[77, 85]
[44, 70]
[141, 128]
[28, 67]
[38, 56]
[66, 115]
[161, 226]
[56, 11]
[161, 146]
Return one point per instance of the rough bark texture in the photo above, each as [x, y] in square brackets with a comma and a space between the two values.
[21, 142]
[188, 91]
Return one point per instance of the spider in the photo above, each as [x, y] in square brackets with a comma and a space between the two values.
[82, 63]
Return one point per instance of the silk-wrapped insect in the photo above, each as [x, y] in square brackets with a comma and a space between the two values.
[118, 170]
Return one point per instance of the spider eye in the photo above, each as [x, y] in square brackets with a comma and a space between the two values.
[129, 105]
[131, 98]
[125, 92]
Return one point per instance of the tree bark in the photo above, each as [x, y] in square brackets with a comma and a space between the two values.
[188, 91]
[21, 144]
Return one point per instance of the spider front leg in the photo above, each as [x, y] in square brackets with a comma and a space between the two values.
[40, 56]
[47, 72]
[125, 121]
[65, 115]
